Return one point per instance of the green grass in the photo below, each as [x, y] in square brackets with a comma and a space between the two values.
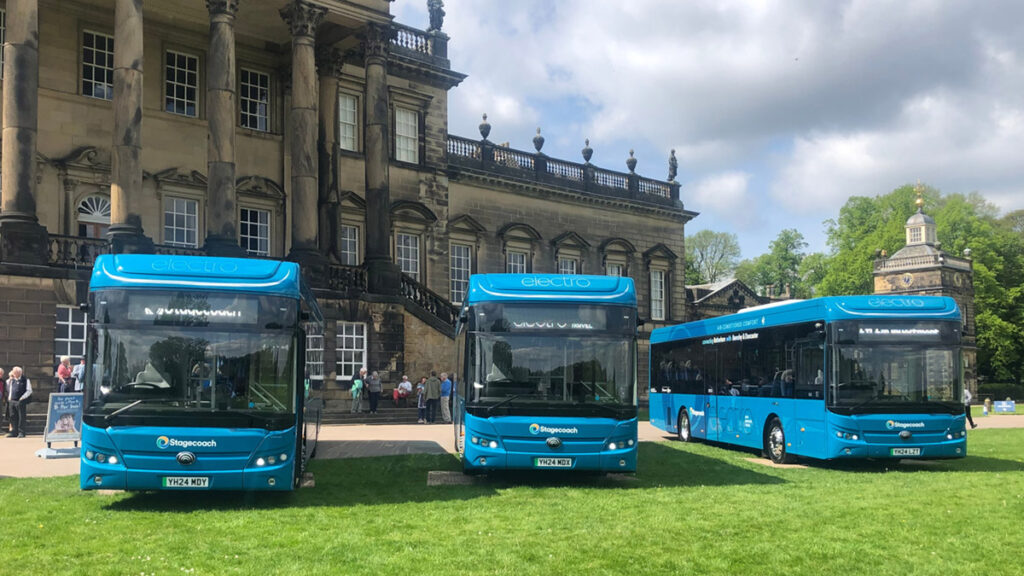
[692, 509]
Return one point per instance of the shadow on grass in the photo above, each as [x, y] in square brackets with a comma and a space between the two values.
[968, 464]
[402, 479]
[336, 449]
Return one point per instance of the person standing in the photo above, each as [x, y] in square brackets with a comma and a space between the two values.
[446, 396]
[967, 406]
[64, 374]
[78, 375]
[19, 394]
[433, 387]
[374, 388]
[357, 391]
[5, 415]
[421, 401]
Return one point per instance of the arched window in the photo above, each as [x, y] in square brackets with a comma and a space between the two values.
[94, 216]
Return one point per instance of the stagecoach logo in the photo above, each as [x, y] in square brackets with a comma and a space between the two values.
[163, 442]
[893, 424]
[537, 429]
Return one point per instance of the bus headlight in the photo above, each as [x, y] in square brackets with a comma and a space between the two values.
[101, 458]
[89, 454]
[112, 460]
[612, 446]
[474, 439]
[629, 442]
[949, 436]
[283, 457]
[261, 462]
[493, 444]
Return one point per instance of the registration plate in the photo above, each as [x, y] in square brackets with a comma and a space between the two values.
[552, 462]
[905, 452]
[186, 482]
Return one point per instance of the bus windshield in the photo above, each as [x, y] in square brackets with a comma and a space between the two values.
[204, 360]
[884, 366]
[536, 374]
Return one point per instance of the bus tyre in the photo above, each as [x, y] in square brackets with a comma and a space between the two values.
[683, 429]
[775, 443]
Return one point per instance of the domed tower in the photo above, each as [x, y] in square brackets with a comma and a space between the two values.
[922, 267]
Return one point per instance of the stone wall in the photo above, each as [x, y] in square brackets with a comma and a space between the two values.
[28, 311]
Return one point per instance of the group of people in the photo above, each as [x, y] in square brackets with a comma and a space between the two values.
[16, 392]
[70, 379]
[433, 394]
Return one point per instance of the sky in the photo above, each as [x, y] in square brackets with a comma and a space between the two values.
[778, 111]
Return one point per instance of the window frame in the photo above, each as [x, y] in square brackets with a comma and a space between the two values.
[459, 286]
[418, 273]
[315, 342]
[342, 94]
[414, 138]
[567, 265]
[108, 71]
[170, 198]
[63, 335]
[356, 255]
[269, 226]
[242, 99]
[340, 339]
[661, 316]
[167, 80]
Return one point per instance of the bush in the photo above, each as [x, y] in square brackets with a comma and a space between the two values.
[1000, 391]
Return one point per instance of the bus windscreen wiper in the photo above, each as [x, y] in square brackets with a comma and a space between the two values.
[124, 408]
[504, 401]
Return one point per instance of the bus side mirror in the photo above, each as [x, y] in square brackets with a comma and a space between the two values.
[640, 321]
[84, 307]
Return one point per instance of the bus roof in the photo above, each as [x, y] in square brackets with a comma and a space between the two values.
[159, 271]
[550, 288]
[828, 309]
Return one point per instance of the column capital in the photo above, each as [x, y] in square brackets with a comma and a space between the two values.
[222, 7]
[377, 41]
[329, 61]
[303, 17]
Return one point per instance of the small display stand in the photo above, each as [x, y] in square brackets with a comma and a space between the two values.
[63, 424]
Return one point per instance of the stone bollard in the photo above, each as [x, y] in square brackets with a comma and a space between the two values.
[987, 407]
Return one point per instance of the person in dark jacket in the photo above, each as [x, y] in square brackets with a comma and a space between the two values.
[433, 394]
[374, 388]
[19, 392]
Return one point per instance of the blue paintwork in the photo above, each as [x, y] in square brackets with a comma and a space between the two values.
[550, 288]
[230, 464]
[522, 438]
[517, 447]
[149, 271]
[810, 428]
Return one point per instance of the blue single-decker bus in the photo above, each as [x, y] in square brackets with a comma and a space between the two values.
[827, 378]
[548, 365]
[195, 374]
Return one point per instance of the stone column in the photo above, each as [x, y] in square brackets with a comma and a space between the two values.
[126, 234]
[303, 18]
[222, 209]
[22, 238]
[328, 63]
[383, 276]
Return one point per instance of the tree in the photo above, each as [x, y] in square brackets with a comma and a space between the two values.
[779, 267]
[713, 256]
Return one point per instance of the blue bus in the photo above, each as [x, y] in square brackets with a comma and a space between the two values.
[195, 374]
[827, 378]
[548, 368]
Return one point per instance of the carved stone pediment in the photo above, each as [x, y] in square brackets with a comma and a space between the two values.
[259, 186]
[173, 175]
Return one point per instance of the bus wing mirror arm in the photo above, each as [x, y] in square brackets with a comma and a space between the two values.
[640, 321]
[84, 307]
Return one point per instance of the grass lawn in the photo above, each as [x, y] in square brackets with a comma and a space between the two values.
[692, 509]
[976, 411]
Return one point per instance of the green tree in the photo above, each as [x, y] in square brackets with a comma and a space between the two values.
[779, 268]
[712, 255]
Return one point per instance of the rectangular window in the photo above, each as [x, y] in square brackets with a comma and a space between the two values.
[254, 100]
[657, 294]
[181, 84]
[349, 245]
[613, 270]
[407, 248]
[915, 234]
[69, 337]
[97, 65]
[254, 231]
[347, 123]
[315, 350]
[407, 141]
[516, 262]
[566, 265]
[350, 349]
[460, 270]
[181, 222]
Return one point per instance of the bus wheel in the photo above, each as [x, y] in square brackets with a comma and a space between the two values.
[775, 443]
[683, 429]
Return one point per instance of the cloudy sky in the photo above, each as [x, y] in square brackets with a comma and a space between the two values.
[778, 110]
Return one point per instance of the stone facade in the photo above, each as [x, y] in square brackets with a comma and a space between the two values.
[315, 131]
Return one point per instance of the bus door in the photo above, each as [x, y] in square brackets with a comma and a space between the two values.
[809, 396]
[710, 382]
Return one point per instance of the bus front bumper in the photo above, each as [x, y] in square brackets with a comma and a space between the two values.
[956, 448]
[479, 459]
[96, 476]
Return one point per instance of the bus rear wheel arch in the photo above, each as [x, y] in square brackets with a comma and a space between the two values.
[683, 427]
[775, 442]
